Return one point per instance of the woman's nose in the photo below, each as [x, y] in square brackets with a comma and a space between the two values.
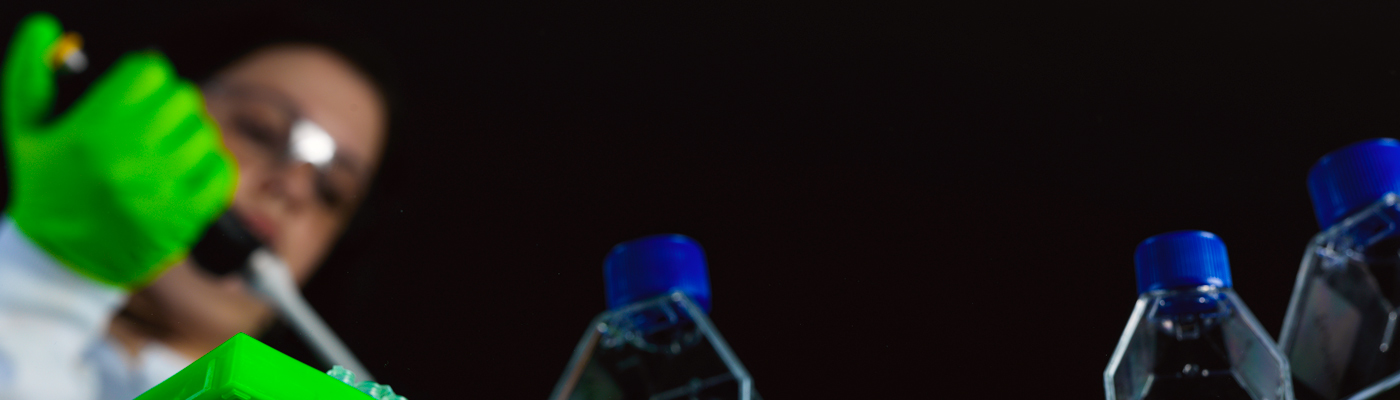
[295, 185]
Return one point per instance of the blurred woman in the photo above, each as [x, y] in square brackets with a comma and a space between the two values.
[283, 87]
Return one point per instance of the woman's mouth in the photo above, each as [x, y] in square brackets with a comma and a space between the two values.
[263, 228]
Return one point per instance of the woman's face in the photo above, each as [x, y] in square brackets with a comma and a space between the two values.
[295, 207]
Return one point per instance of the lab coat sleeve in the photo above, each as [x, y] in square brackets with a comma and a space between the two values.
[50, 317]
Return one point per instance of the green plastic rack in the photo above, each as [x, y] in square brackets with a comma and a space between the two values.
[245, 369]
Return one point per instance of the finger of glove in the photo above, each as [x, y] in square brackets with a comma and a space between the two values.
[170, 135]
[186, 139]
[177, 164]
[210, 170]
[193, 199]
[139, 117]
[28, 85]
[133, 87]
[200, 189]
[209, 184]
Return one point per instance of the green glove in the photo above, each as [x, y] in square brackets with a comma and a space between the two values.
[122, 185]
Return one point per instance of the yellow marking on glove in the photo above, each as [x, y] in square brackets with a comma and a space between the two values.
[65, 50]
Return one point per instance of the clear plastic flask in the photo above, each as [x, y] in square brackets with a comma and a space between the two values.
[1190, 336]
[656, 340]
[1339, 330]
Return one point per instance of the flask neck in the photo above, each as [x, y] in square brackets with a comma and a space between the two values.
[1189, 300]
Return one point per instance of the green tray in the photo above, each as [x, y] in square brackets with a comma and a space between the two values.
[245, 369]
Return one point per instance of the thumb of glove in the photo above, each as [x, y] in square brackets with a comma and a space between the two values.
[27, 90]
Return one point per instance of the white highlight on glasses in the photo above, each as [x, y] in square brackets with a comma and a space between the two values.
[311, 143]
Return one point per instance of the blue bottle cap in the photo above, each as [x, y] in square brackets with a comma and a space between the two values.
[1181, 259]
[1353, 177]
[653, 266]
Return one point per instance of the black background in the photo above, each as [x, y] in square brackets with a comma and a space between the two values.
[895, 199]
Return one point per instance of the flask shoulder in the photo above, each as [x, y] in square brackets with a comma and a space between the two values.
[1195, 340]
[663, 347]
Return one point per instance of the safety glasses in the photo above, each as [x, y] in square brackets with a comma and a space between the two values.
[283, 139]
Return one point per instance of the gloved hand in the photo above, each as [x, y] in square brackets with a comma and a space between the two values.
[121, 186]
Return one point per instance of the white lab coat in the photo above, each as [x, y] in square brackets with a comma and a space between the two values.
[53, 332]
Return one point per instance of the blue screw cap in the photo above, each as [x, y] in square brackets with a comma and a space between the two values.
[652, 266]
[1181, 259]
[1353, 177]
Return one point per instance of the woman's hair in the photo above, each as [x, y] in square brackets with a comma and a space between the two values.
[214, 36]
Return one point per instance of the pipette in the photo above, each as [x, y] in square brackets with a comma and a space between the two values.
[228, 246]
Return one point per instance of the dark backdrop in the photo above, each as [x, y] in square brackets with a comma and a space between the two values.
[896, 199]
